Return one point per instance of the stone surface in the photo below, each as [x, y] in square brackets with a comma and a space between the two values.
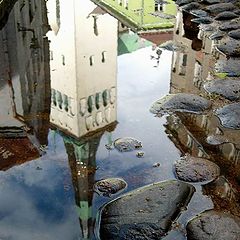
[183, 2]
[199, 13]
[229, 115]
[109, 186]
[231, 67]
[127, 144]
[218, 35]
[229, 26]
[216, 139]
[204, 20]
[230, 89]
[194, 169]
[145, 213]
[180, 102]
[220, 7]
[230, 48]
[227, 15]
[234, 34]
[191, 6]
[215, 226]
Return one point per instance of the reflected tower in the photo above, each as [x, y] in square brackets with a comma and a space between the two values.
[83, 61]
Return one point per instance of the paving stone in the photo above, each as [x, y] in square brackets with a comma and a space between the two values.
[145, 213]
[194, 169]
[215, 226]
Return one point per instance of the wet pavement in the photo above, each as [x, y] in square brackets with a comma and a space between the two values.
[95, 145]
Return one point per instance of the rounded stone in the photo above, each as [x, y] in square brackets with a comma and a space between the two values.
[191, 6]
[194, 169]
[229, 89]
[109, 186]
[235, 34]
[229, 115]
[218, 35]
[230, 48]
[215, 226]
[127, 144]
[199, 13]
[203, 20]
[230, 66]
[229, 26]
[216, 140]
[220, 7]
[227, 15]
[145, 213]
[180, 102]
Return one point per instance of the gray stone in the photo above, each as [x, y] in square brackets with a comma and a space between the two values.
[218, 35]
[227, 15]
[127, 144]
[216, 140]
[230, 66]
[211, 1]
[235, 34]
[199, 13]
[229, 115]
[191, 6]
[229, 26]
[194, 169]
[204, 20]
[183, 2]
[12, 132]
[230, 48]
[220, 7]
[109, 186]
[229, 89]
[145, 213]
[215, 226]
[180, 102]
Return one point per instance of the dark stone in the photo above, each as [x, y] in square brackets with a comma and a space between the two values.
[183, 2]
[12, 132]
[217, 35]
[145, 213]
[231, 67]
[230, 48]
[191, 6]
[211, 1]
[220, 7]
[199, 13]
[180, 102]
[204, 20]
[226, 16]
[235, 34]
[215, 226]
[229, 89]
[194, 169]
[229, 26]
[229, 115]
[127, 144]
[109, 186]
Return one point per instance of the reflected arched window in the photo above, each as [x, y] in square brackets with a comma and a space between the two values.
[90, 103]
[98, 100]
[103, 56]
[106, 97]
[59, 99]
[91, 60]
[53, 95]
[65, 102]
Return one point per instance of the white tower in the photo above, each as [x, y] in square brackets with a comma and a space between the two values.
[83, 62]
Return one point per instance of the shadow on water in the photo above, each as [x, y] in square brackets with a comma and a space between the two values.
[66, 95]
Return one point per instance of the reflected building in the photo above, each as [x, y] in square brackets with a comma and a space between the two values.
[26, 64]
[192, 65]
[83, 62]
[24, 81]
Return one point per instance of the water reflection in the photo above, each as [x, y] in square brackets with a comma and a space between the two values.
[191, 67]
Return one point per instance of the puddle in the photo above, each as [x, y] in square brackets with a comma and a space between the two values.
[66, 102]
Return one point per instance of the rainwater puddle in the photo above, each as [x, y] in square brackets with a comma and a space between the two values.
[66, 101]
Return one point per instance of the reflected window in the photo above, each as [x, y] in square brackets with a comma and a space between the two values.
[63, 60]
[51, 55]
[65, 102]
[90, 103]
[105, 96]
[182, 64]
[98, 100]
[95, 26]
[91, 60]
[53, 95]
[59, 99]
[103, 56]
